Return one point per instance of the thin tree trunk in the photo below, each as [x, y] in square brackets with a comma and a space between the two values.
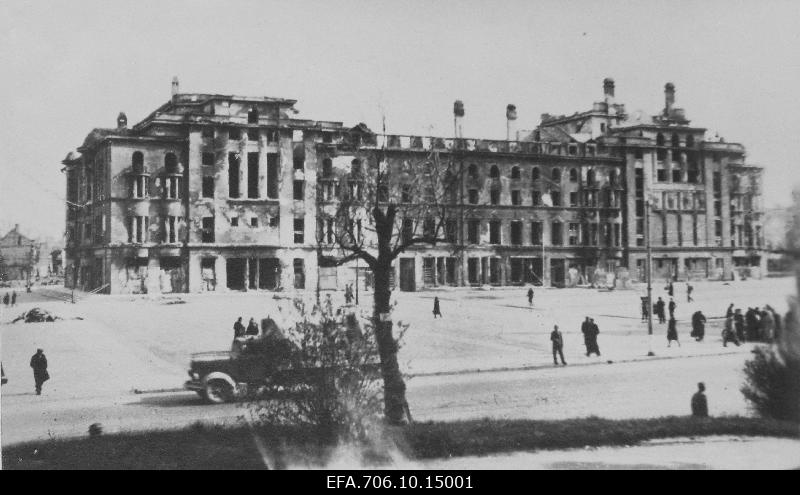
[394, 388]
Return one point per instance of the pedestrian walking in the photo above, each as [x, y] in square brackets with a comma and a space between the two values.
[40, 374]
[729, 312]
[672, 332]
[13, 298]
[698, 326]
[558, 345]
[436, 309]
[728, 335]
[645, 308]
[699, 402]
[238, 328]
[595, 331]
[6, 299]
[252, 327]
[530, 296]
[689, 290]
[672, 307]
[670, 289]
[659, 310]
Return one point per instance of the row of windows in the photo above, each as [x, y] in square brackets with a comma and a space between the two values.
[138, 228]
[555, 174]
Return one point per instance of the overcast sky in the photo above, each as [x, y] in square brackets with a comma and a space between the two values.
[68, 67]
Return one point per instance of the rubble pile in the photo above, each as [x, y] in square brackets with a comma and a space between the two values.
[36, 315]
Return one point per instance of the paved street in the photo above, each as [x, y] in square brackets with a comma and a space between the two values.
[127, 343]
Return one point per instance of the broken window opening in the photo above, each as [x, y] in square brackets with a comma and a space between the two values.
[233, 175]
[208, 158]
[234, 221]
[234, 133]
[252, 175]
[299, 273]
[298, 190]
[494, 231]
[252, 116]
[273, 174]
[299, 229]
[208, 229]
[473, 231]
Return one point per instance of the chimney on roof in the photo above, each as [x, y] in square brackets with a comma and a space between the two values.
[175, 88]
[511, 122]
[16, 227]
[669, 98]
[458, 116]
[122, 121]
[608, 91]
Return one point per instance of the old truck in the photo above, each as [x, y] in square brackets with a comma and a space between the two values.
[250, 367]
[260, 367]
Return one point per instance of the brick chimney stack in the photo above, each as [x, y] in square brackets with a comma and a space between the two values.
[175, 88]
[669, 98]
[608, 90]
[458, 117]
[122, 121]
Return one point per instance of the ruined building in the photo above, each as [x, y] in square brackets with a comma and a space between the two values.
[219, 192]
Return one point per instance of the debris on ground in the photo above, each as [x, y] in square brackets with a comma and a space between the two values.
[36, 315]
[174, 301]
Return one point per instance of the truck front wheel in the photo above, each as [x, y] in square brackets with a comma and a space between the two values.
[218, 391]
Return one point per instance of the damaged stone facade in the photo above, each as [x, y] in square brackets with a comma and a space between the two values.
[218, 192]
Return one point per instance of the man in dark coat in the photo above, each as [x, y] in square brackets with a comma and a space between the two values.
[590, 331]
[558, 345]
[6, 299]
[672, 307]
[238, 328]
[39, 365]
[13, 298]
[751, 324]
[699, 402]
[252, 327]
[698, 326]
[530, 296]
[729, 312]
[670, 289]
[659, 309]
[689, 290]
[738, 323]
[586, 330]
[436, 310]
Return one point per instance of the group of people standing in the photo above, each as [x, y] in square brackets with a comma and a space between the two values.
[754, 325]
[10, 300]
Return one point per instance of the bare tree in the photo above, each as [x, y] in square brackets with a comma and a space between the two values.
[373, 206]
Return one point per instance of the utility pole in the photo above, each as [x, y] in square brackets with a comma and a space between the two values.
[648, 268]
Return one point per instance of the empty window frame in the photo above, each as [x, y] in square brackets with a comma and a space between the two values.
[494, 231]
[474, 231]
[556, 234]
[252, 175]
[516, 232]
[299, 229]
[234, 175]
[208, 186]
[208, 229]
[208, 158]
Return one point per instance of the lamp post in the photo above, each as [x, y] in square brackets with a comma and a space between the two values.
[648, 268]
